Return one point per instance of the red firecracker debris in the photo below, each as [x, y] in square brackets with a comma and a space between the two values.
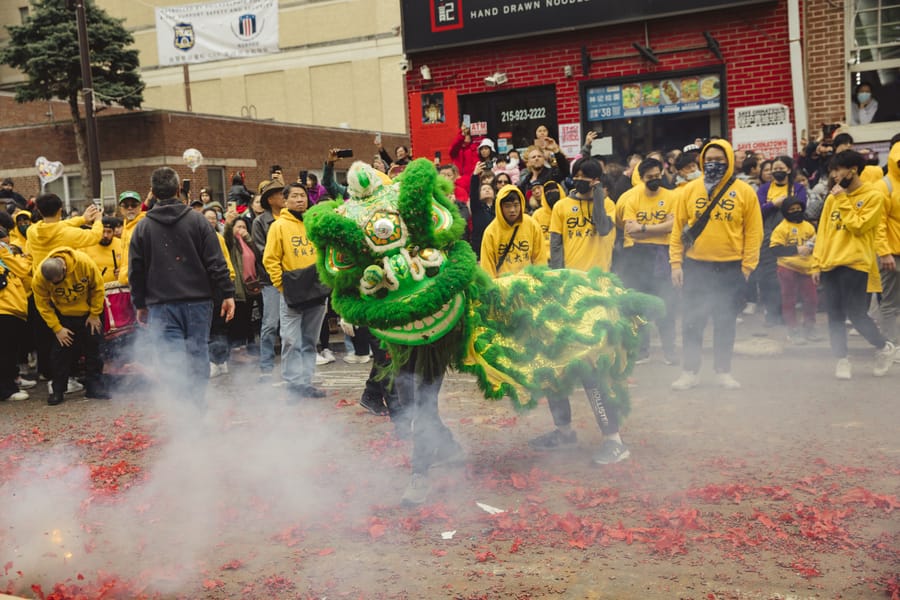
[861, 495]
[211, 584]
[805, 568]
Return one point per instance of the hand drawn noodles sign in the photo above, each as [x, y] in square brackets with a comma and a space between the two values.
[199, 33]
[430, 24]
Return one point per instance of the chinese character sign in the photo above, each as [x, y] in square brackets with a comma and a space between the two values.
[199, 33]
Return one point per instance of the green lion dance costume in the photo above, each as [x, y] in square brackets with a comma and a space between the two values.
[394, 257]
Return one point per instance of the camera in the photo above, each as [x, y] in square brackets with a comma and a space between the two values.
[488, 164]
[185, 186]
[405, 66]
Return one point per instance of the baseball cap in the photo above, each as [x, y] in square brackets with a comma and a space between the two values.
[130, 195]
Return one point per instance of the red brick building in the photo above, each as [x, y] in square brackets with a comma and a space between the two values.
[134, 143]
[629, 70]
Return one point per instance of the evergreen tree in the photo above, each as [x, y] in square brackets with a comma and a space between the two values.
[45, 49]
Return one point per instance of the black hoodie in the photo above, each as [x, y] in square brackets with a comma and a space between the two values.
[175, 256]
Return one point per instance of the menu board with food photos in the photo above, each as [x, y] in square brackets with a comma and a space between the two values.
[686, 93]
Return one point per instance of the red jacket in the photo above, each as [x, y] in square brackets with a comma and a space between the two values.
[465, 157]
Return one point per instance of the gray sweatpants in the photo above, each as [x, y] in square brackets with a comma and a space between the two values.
[890, 300]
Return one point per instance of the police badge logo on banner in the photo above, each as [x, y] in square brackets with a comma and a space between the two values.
[199, 33]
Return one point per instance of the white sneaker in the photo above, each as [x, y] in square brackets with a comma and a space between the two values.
[842, 370]
[20, 395]
[686, 381]
[750, 309]
[321, 360]
[214, 370]
[884, 358]
[25, 384]
[728, 382]
[72, 387]
[223, 368]
[328, 355]
[356, 359]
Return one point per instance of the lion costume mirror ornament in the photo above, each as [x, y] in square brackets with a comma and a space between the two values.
[393, 254]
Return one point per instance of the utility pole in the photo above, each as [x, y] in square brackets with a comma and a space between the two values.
[87, 92]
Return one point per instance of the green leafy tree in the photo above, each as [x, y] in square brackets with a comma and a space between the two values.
[45, 49]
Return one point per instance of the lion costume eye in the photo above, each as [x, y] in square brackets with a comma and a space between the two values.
[337, 262]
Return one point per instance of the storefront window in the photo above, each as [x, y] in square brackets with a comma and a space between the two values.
[874, 58]
[659, 113]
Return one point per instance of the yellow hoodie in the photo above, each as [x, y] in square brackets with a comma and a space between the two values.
[527, 248]
[44, 237]
[287, 248]
[637, 206]
[79, 294]
[890, 183]
[16, 237]
[734, 231]
[887, 238]
[583, 247]
[107, 258]
[226, 253]
[543, 215]
[14, 297]
[127, 230]
[846, 234]
[871, 174]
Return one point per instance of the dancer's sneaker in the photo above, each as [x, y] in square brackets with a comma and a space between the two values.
[611, 452]
[554, 440]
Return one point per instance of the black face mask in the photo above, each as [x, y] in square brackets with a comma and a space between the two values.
[846, 182]
[653, 184]
[582, 186]
[22, 228]
[105, 242]
[794, 217]
[780, 176]
[551, 195]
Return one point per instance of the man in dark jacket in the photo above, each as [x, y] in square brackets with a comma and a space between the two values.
[539, 172]
[175, 268]
[272, 202]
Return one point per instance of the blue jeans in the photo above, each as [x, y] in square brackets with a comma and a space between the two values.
[299, 333]
[271, 301]
[180, 333]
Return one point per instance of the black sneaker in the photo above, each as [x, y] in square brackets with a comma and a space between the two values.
[373, 405]
[312, 392]
[55, 399]
[611, 452]
[643, 357]
[554, 440]
[97, 395]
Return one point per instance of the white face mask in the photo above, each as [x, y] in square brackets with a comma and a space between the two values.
[694, 175]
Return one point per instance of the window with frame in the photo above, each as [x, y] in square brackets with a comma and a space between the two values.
[874, 61]
[215, 182]
[68, 188]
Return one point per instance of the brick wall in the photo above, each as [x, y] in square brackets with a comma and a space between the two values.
[753, 40]
[139, 136]
[824, 51]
